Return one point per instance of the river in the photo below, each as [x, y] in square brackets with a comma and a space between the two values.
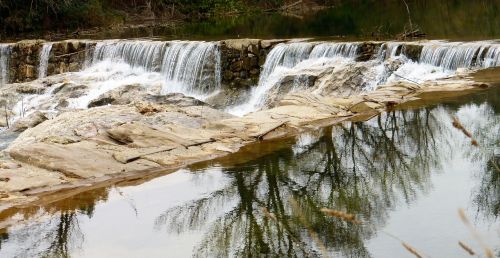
[404, 175]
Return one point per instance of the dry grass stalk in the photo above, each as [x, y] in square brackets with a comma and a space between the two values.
[407, 246]
[341, 215]
[466, 248]
[457, 124]
[312, 233]
[411, 250]
[487, 251]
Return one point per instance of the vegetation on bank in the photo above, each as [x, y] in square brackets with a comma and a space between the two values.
[250, 18]
[17, 16]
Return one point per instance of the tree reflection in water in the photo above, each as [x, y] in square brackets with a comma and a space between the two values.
[367, 169]
[360, 168]
[58, 236]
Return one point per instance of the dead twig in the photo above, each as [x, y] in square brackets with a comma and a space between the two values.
[457, 124]
[407, 246]
[466, 248]
[411, 250]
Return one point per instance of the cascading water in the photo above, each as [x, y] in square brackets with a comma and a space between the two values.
[283, 58]
[137, 54]
[5, 50]
[453, 55]
[44, 60]
[329, 50]
[191, 68]
[389, 50]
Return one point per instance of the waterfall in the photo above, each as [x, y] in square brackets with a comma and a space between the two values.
[453, 55]
[44, 60]
[188, 67]
[389, 50]
[5, 50]
[283, 59]
[284, 55]
[492, 57]
[330, 50]
[143, 54]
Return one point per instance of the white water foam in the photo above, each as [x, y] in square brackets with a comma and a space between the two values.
[44, 60]
[438, 59]
[191, 68]
[188, 67]
[286, 58]
[5, 50]
[454, 55]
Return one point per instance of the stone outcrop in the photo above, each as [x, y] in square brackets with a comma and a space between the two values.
[83, 147]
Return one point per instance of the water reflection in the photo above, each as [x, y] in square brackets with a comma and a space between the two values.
[370, 169]
[364, 169]
[446, 19]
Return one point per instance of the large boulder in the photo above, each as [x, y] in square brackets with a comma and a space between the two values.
[30, 121]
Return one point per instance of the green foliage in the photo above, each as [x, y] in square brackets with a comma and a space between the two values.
[31, 15]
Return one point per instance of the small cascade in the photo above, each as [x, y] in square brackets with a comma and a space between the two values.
[138, 54]
[44, 60]
[454, 55]
[5, 50]
[284, 55]
[389, 50]
[89, 48]
[284, 59]
[191, 68]
[328, 50]
[491, 58]
[188, 66]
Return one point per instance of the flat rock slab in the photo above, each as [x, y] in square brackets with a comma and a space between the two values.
[139, 135]
[80, 160]
[23, 178]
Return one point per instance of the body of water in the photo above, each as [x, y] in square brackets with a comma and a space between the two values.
[404, 175]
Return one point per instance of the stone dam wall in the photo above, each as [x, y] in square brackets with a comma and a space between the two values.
[241, 59]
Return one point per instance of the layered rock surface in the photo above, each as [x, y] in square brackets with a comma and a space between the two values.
[147, 134]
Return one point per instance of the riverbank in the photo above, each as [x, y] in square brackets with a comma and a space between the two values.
[83, 113]
[50, 161]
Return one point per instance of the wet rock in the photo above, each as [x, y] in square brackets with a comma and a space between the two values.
[27, 88]
[367, 51]
[30, 121]
[68, 88]
[253, 49]
[102, 101]
[177, 99]
[120, 96]
[412, 51]
[135, 94]
[230, 97]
